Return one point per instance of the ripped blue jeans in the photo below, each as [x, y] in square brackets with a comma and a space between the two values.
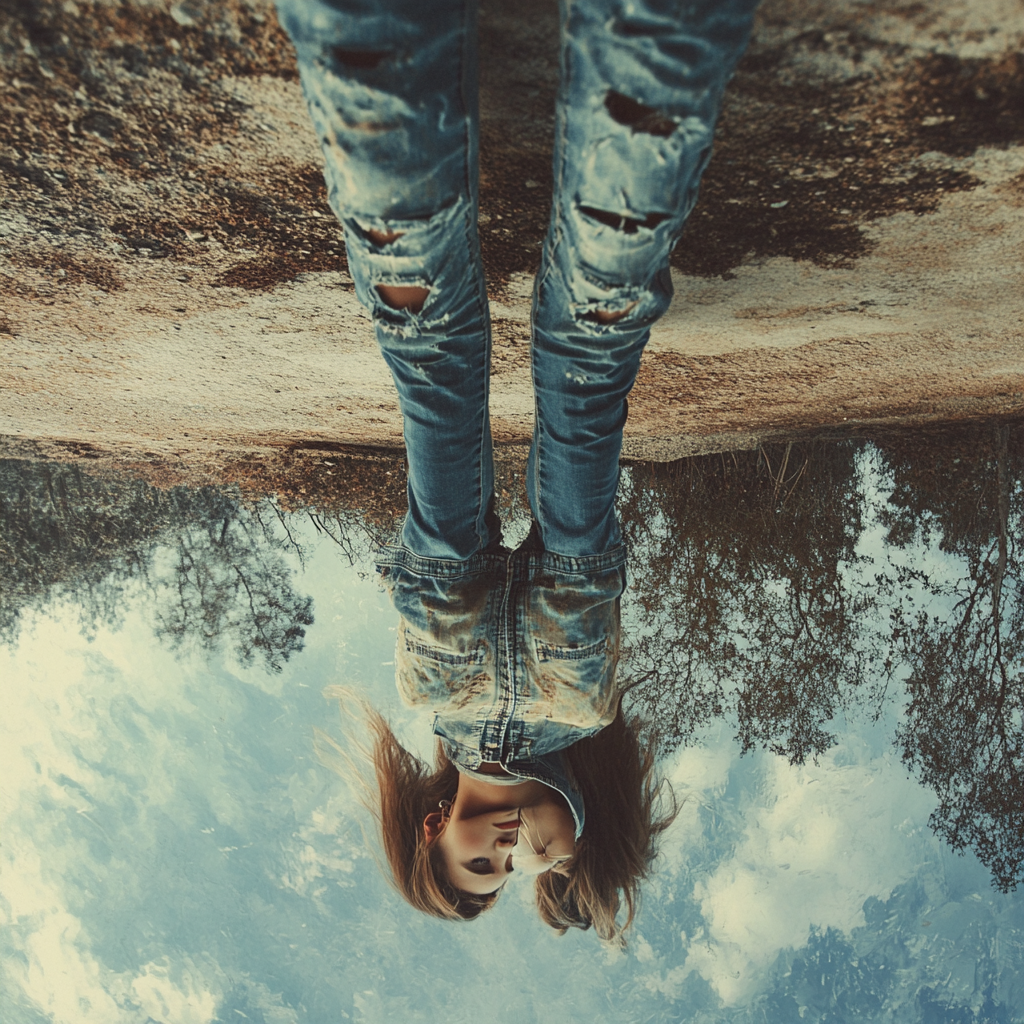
[392, 90]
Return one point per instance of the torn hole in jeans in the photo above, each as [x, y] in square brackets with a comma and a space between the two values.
[410, 297]
[608, 316]
[627, 225]
[382, 238]
[638, 116]
[369, 126]
[363, 60]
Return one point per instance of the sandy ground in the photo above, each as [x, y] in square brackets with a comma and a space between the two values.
[173, 288]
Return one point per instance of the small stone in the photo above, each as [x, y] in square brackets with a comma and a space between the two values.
[182, 15]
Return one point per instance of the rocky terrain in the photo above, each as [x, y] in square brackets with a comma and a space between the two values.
[173, 288]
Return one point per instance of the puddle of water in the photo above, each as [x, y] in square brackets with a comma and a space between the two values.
[826, 641]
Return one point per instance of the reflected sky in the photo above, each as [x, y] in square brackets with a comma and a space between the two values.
[826, 642]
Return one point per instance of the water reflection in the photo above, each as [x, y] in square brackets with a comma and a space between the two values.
[211, 569]
[963, 732]
[803, 626]
[785, 614]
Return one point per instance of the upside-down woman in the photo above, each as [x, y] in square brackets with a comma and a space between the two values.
[514, 654]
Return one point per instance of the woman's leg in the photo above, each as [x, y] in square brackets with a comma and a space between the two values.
[392, 91]
[641, 88]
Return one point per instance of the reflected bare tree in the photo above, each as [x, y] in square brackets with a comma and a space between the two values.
[746, 603]
[963, 734]
[740, 597]
[230, 586]
[67, 535]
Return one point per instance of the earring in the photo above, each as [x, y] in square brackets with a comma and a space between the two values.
[445, 805]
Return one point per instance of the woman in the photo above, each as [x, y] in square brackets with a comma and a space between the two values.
[513, 652]
[581, 880]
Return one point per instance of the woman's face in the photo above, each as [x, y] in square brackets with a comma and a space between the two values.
[478, 849]
[478, 837]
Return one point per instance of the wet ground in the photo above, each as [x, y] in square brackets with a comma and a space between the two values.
[824, 639]
[174, 288]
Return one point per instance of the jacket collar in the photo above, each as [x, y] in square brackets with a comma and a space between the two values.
[550, 769]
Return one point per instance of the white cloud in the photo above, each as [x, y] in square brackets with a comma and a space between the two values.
[174, 995]
[819, 841]
[54, 972]
[698, 775]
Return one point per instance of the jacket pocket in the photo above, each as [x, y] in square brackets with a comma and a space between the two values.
[441, 678]
[474, 656]
[552, 652]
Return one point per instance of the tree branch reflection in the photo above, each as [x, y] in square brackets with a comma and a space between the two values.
[754, 598]
[742, 602]
[963, 731]
[68, 536]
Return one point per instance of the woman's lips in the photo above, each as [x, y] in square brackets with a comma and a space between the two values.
[507, 824]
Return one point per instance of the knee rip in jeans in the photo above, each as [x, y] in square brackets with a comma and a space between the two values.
[623, 222]
[397, 296]
[609, 316]
[600, 304]
[383, 238]
[400, 296]
[360, 60]
[638, 116]
[420, 233]
[604, 314]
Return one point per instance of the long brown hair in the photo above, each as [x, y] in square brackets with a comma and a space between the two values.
[407, 790]
[627, 810]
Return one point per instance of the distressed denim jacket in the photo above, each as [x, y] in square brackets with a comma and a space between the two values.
[514, 653]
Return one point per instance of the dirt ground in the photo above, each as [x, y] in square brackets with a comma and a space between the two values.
[173, 289]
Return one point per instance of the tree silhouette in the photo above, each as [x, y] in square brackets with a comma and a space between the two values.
[66, 534]
[963, 733]
[230, 585]
[741, 602]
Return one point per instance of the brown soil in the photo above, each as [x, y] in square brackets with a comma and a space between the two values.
[173, 286]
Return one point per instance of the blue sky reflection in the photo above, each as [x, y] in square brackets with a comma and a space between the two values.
[173, 852]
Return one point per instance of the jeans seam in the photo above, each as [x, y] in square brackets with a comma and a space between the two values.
[469, 38]
[538, 454]
[554, 240]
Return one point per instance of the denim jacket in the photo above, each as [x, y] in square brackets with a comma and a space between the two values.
[514, 653]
